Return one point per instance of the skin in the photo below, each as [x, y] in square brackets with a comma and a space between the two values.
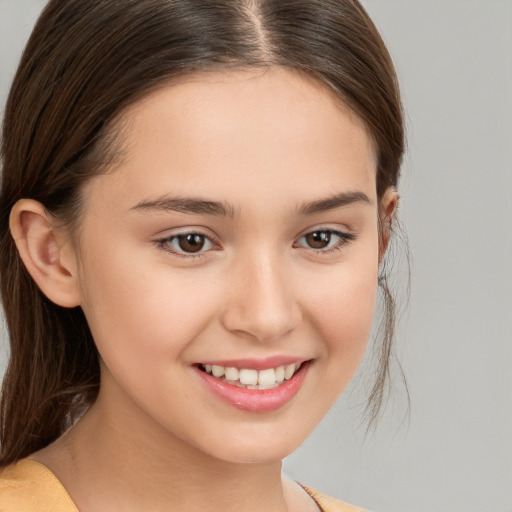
[263, 143]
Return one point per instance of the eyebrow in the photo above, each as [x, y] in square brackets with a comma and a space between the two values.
[223, 209]
[336, 201]
[186, 205]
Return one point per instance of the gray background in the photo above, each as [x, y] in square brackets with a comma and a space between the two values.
[454, 452]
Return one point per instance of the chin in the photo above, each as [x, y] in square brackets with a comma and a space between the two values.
[265, 448]
[256, 455]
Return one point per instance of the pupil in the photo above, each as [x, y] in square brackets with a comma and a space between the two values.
[318, 239]
[191, 243]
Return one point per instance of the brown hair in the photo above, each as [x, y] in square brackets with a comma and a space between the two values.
[85, 61]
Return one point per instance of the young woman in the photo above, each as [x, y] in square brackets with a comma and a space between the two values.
[196, 200]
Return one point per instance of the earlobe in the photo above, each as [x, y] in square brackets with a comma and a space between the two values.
[387, 210]
[46, 252]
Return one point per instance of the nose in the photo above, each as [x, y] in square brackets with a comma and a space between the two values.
[262, 304]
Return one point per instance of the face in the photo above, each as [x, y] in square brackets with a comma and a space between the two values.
[234, 247]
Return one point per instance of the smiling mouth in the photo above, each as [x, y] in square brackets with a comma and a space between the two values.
[269, 378]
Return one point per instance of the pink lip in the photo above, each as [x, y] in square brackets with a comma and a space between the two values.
[255, 400]
[256, 364]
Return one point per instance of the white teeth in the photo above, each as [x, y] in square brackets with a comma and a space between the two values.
[217, 371]
[267, 378]
[249, 377]
[280, 374]
[231, 373]
[289, 371]
[253, 379]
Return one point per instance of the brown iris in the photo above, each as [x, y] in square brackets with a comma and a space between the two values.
[318, 239]
[191, 242]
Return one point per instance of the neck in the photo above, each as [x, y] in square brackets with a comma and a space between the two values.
[106, 466]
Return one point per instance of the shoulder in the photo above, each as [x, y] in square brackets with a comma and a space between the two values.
[329, 504]
[28, 486]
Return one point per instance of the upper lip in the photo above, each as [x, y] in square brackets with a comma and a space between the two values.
[256, 363]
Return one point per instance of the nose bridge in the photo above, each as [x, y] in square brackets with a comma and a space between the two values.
[262, 303]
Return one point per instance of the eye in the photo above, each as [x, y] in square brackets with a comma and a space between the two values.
[324, 240]
[318, 239]
[186, 244]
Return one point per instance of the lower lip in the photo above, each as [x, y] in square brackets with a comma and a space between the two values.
[255, 400]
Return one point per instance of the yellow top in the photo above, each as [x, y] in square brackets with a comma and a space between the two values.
[28, 486]
[328, 504]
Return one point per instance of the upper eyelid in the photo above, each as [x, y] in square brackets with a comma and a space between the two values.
[347, 234]
[342, 231]
[175, 232]
[199, 230]
[337, 232]
[162, 244]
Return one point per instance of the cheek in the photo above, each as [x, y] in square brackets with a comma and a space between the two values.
[343, 308]
[141, 313]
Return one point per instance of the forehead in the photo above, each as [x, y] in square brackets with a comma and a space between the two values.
[227, 133]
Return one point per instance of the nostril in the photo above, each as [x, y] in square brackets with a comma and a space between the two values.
[261, 323]
[261, 304]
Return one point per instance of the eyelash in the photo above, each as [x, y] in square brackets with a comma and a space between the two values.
[165, 243]
[343, 240]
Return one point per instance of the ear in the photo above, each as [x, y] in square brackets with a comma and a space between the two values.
[46, 251]
[387, 210]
